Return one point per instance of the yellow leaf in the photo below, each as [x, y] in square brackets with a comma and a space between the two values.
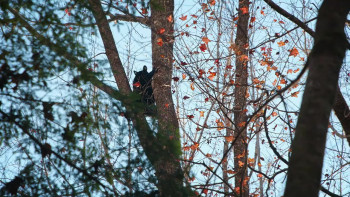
[201, 113]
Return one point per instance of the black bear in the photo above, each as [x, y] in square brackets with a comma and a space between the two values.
[143, 85]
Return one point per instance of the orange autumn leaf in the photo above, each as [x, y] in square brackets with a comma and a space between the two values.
[274, 113]
[160, 41]
[192, 86]
[289, 71]
[229, 138]
[212, 75]
[237, 190]
[170, 18]
[194, 146]
[256, 80]
[281, 43]
[183, 18]
[279, 87]
[220, 125]
[294, 52]
[244, 10]
[260, 175]
[274, 82]
[283, 81]
[295, 94]
[205, 40]
[241, 124]
[201, 113]
[241, 155]
[296, 70]
[212, 2]
[240, 164]
[183, 76]
[166, 105]
[230, 172]
[262, 12]
[161, 30]
[204, 6]
[251, 160]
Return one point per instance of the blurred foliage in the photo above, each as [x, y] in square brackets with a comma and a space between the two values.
[59, 134]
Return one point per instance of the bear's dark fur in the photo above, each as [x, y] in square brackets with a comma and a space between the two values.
[143, 85]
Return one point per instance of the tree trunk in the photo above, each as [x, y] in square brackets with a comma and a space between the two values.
[168, 168]
[305, 166]
[240, 117]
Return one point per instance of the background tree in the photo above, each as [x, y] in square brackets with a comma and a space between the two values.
[227, 87]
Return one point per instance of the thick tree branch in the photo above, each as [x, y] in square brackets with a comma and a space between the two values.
[325, 60]
[128, 18]
[340, 107]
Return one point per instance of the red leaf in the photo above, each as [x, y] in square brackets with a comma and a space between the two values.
[186, 97]
[244, 10]
[183, 18]
[190, 116]
[160, 41]
[203, 47]
[137, 84]
[201, 72]
[176, 79]
[205, 191]
[161, 30]
[183, 63]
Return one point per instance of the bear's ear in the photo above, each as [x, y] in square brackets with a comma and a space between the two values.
[135, 72]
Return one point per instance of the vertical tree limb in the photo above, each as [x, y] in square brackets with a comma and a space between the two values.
[240, 116]
[325, 60]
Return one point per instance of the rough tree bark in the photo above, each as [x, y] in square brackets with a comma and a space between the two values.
[169, 172]
[240, 116]
[325, 60]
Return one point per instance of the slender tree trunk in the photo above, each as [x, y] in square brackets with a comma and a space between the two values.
[325, 60]
[240, 117]
[168, 168]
